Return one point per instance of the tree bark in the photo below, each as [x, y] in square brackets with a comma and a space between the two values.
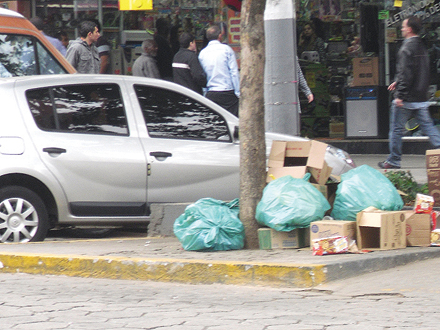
[252, 136]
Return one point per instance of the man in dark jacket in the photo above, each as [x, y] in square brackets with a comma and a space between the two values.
[187, 70]
[410, 92]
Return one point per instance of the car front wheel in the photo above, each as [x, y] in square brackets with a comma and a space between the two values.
[23, 216]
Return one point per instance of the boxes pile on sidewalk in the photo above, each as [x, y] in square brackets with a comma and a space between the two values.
[370, 229]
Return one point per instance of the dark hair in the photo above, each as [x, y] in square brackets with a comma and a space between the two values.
[162, 26]
[97, 24]
[61, 34]
[415, 24]
[85, 27]
[185, 39]
[38, 22]
[213, 32]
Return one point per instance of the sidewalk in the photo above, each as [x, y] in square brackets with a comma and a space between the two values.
[163, 259]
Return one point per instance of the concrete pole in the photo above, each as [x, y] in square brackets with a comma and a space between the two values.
[281, 77]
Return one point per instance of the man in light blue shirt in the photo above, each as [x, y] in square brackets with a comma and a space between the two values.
[39, 24]
[220, 65]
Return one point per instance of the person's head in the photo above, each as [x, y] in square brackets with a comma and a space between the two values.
[88, 30]
[187, 40]
[411, 26]
[213, 33]
[63, 37]
[38, 22]
[149, 46]
[309, 30]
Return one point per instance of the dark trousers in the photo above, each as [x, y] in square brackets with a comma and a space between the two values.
[226, 99]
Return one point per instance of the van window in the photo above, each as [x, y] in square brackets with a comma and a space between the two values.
[22, 55]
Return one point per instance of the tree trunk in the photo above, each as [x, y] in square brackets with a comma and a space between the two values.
[252, 137]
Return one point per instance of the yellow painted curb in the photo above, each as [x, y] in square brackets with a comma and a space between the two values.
[166, 270]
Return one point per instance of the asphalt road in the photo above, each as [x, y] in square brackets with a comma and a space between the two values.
[405, 297]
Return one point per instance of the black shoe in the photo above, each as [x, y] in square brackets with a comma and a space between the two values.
[387, 166]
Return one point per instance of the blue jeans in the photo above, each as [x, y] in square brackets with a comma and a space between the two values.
[398, 118]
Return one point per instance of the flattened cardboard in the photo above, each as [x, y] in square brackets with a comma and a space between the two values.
[380, 230]
[418, 229]
[271, 239]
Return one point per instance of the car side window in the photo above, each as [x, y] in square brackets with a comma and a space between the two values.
[22, 55]
[87, 108]
[169, 114]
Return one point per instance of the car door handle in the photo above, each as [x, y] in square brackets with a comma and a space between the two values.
[161, 155]
[54, 150]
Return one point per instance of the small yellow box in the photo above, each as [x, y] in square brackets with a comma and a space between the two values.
[135, 4]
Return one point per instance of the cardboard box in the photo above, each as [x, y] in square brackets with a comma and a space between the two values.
[380, 230]
[365, 71]
[433, 173]
[418, 229]
[337, 130]
[271, 239]
[330, 228]
[296, 158]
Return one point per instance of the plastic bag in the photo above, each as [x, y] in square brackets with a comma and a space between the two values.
[290, 203]
[210, 225]
[362, 187]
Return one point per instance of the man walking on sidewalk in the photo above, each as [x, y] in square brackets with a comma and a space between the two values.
[410, 92]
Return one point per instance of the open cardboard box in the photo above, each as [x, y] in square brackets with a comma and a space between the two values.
[296, 158]
[380, 230]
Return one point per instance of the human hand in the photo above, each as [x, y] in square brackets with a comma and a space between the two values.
[310, 98]
[398, 102]
[392, 86]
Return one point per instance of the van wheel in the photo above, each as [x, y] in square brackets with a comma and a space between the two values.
[23, 216]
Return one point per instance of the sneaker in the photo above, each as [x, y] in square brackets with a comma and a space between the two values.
[387, 166]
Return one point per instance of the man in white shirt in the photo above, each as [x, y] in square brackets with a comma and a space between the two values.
[220, 65]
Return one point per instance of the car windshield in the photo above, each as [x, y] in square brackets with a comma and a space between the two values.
[22, 55]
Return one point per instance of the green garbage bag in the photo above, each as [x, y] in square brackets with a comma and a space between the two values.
[290, 203]
[362, 187]
[210, 225]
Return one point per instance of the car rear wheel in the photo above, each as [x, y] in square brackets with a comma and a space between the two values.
[23, 216]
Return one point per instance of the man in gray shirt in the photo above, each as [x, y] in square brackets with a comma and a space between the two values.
[82, 53]
[146, 65]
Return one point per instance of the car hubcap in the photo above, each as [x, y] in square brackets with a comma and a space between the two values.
[18, 220]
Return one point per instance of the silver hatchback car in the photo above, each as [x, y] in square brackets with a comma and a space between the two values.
[97, 150]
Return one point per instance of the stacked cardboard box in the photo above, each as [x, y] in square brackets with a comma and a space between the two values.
[433, 172]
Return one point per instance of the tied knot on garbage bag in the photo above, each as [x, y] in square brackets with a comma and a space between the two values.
[210, 225]
[363, 187]
[289, 203]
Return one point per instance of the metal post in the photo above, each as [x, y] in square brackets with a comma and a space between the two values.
[281, 78]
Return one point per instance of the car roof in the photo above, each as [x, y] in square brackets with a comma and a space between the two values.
[7, 12]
